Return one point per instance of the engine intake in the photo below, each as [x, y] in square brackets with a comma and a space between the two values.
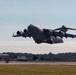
[47, 32]
[61, 33]
[25, 31]
[19, 32]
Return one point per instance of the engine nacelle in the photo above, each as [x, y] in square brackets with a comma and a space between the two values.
[19, 33]
[47, 32]
[25, 31]
[61, 34]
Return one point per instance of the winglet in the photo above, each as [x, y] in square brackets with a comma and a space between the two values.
[13, 35]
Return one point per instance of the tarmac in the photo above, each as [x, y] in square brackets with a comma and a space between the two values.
[42, 63]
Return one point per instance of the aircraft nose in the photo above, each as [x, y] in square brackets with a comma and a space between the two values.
[30, 27]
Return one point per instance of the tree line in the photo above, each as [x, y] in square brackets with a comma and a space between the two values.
[42, 57]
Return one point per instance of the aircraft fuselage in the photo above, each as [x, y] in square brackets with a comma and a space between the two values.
[39, 35]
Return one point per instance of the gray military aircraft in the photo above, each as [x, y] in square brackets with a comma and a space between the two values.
[42, 35]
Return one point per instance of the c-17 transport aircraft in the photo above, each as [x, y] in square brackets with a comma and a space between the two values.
[42, 35]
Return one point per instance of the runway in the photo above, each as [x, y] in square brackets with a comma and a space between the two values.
[42, 63]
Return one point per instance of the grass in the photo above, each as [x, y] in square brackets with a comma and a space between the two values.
[31, 69]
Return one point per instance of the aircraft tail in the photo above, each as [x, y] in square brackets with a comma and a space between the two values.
[64, 29]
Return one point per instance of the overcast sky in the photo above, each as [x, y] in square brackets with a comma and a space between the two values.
[18, 14]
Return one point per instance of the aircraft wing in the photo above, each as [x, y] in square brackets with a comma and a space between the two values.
[15, 35]
[18, 34]
[24, 34]
[70, 35]
[49, 32]
[61, 34]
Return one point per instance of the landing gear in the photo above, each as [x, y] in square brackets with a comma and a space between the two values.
[50, 41]
[38, 41]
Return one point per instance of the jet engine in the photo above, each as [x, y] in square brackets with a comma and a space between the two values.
[61, 34]
[19, 33]
[47, 32]
[26, 33]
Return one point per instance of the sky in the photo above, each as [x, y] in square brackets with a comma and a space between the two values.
[18, 14]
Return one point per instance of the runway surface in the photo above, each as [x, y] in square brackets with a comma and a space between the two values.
[42, 63]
